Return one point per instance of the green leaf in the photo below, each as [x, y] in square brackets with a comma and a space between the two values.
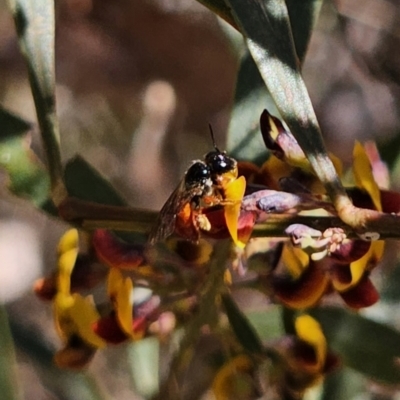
[241, 326]
[269, 37]
[85, 183]
[303, 15]
[35, 23]
[252, 96]
[364, 345]
[344, 384]
[268, 323]
[27, 175]
[143, 357]
[9, 387]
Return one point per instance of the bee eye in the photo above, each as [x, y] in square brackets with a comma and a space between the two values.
[197, 174]
[219, 162]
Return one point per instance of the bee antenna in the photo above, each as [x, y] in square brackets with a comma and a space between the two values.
[213, 138]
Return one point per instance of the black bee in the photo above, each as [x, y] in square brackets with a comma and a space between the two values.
[203, 186]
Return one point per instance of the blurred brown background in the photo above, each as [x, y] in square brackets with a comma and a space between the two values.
[138, 83]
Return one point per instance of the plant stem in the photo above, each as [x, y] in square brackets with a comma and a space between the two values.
[91, 216]
[35, 24]
[207, 314]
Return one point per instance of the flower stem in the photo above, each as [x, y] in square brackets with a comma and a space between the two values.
[207, 314]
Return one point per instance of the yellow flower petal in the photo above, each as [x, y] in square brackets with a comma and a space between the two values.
[276, 169]
[363, 175]
[64, 324]
[120, 291]
[113, 282]
[84, 315]
[310, 331]
[74, 315]
[377, 249]
[226, 379]
[234, 193]
[296, 260]
[68, 249]
[358, 267]
[66, 264]
[124, 306]
[69, 241]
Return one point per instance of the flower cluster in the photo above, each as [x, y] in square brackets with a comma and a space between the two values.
[130, 309]
[313, 262]
[150, 288]
[301, 360]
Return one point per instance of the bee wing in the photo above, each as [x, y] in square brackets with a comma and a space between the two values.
[165, 225]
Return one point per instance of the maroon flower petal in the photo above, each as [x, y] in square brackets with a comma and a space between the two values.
[362, 295]
[350, 251]
[109, 330]
[390, 201]
[267, 129]
[303, 292]
[115, 253]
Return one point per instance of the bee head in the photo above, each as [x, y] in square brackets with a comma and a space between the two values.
[219, 163]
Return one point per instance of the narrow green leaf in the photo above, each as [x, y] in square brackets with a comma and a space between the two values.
[241, 326]
[364, 345]
[35, 25]
[252, 96]
[268, 323]
[344, 384]
[27, 176]
[85, 183]
[269, 38]
[9, 387]
[303, 15]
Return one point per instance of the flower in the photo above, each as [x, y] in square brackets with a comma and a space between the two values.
[296, 363]
[234, 380]
[345, 270]
[78, 322]
[316, 262]
[304, 358]
[76, 269]
[73, 313]
[223, 222]
[120, 324]
[116, 253]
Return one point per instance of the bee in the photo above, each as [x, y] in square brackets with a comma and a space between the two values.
[202, 187]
